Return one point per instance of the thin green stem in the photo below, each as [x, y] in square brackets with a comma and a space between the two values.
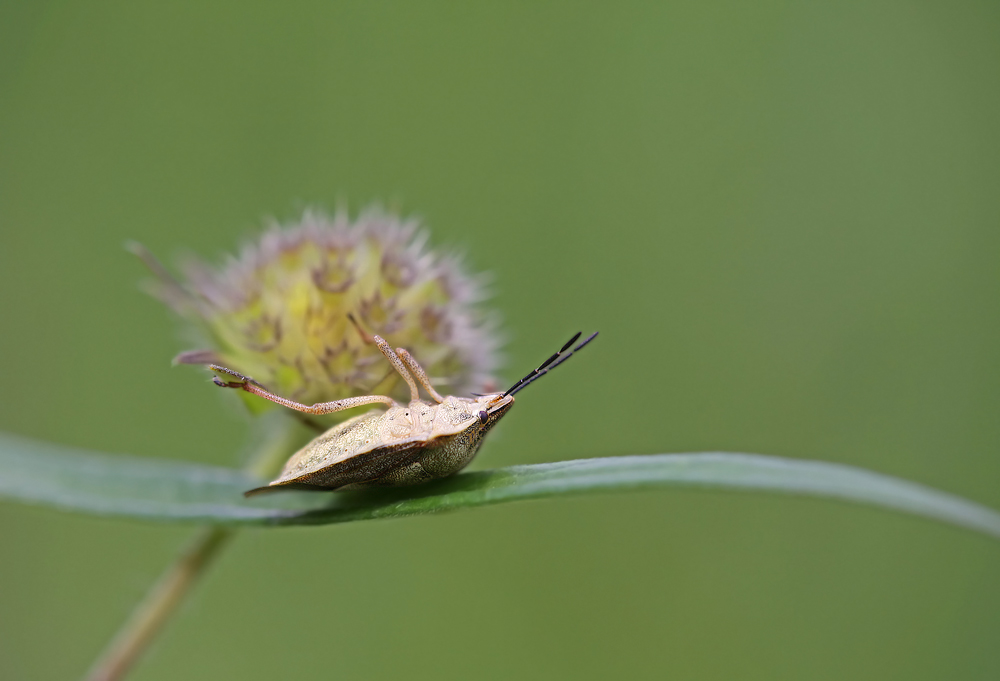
[279, 438]
[158, 605]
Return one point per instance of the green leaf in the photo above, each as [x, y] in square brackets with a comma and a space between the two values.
[185, 492]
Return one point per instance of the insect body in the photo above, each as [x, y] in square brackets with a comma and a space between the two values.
[402, 445]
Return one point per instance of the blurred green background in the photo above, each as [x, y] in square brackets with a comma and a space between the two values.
[783, 218]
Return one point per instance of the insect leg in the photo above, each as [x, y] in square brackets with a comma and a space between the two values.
[224, 370]
[410, 364]
[398, 365]
[251, 386]
[419, 374]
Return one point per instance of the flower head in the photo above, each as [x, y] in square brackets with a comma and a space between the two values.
[295, 309]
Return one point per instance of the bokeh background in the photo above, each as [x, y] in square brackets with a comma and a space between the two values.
[782, 216]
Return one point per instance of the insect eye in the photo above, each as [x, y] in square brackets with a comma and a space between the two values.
[482, 417]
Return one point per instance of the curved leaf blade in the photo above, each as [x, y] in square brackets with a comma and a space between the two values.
[172, 491]
[117, 485]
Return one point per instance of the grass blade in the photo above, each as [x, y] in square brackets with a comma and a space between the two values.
[172, 491]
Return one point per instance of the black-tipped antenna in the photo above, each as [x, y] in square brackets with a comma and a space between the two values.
[550, 364]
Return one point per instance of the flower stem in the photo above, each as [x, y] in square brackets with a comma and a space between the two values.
[159, 604]
[280, 436]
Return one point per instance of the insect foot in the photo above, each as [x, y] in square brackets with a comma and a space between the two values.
[243, 380]
[397, 444]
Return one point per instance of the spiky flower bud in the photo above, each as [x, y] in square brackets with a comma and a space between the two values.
[282, 310]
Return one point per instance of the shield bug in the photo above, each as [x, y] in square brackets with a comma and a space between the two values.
[401, 445]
